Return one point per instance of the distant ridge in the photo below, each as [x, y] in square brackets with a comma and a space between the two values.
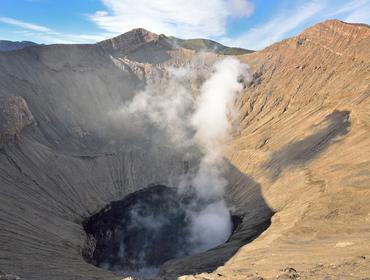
[208, 45]
[140, 36]
[137, 37]
[12, 46]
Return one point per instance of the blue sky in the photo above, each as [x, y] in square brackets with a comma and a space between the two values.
[252, 24]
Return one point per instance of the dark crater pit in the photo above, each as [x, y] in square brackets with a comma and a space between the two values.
[136, 235]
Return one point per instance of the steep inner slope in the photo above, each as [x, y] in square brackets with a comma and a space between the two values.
[300, 149]
[64, 156]
[304, 137]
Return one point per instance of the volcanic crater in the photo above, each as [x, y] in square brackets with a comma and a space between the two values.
[79, 187]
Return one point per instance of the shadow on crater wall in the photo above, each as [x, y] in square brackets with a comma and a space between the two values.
[302, 151]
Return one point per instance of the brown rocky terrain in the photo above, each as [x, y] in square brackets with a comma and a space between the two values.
[304, 137]
[299, 158]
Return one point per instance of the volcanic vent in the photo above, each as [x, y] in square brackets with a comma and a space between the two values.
[136, 235]
[139, 233]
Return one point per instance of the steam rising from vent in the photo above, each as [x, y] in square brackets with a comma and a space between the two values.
[212, 125]
[195, 118]
[211, 225]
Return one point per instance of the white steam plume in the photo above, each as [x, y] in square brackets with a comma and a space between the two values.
[212, 225]
[212, 125]
[202, 121]
[166, 104]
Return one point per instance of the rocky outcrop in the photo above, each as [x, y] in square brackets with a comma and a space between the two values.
[4, 276]
[14, 116]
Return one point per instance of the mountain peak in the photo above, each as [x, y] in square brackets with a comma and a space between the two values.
[140, 34]
[129, 40]
[140, 37]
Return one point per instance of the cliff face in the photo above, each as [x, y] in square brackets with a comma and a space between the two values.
[300, 149]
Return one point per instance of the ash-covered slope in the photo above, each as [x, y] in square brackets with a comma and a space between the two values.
[65, 152]
[300, 149]
[69, 159]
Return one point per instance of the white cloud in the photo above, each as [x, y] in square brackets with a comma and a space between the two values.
[25, 25]
[61, 38]
[361, 14]
[47, 35]
[351, 6]
[278, 27]
[240, 8]
[289, 21]
[191, 18]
